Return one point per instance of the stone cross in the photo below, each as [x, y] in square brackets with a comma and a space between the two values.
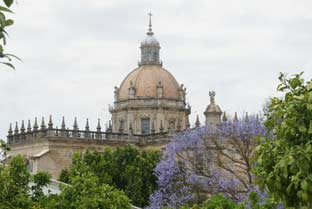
[150, 31]
[150, 19]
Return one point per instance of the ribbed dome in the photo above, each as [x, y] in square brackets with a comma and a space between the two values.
[145, 80]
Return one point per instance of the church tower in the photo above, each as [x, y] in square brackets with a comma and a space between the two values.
[150, 100]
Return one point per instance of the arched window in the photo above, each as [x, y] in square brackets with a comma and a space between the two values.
[145, 125]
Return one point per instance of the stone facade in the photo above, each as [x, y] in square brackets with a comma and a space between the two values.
[49, 149]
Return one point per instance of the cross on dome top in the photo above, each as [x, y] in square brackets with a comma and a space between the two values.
[150, 31]
[150, 47]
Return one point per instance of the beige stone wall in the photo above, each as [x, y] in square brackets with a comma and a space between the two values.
[52, 154]
[59, 155]
[212, 119]
[46, 163]
[30, 148]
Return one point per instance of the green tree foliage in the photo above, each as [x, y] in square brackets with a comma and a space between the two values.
[40, 180]
[4, 23]
[124, 168]
[284, 161]
[86, 191]
[15, 192]
[20, 190]
[219, 201]
[4, 148]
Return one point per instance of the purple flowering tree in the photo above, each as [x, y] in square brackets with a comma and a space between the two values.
[235, 146]
[205, 161]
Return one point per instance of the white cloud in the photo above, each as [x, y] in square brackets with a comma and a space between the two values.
[75, 52]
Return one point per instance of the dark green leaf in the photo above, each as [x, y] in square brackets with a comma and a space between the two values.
[2, 19]
[309, 86]
[8, 3]
[8, 64]
[9, 22]
[302, 129]
[12, 55]
[4, 9]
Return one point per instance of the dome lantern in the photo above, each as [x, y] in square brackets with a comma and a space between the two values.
[150, 47]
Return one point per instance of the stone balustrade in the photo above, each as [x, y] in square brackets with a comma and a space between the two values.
[87, 135]
[23, 135]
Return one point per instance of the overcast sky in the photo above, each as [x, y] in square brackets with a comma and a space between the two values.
[74, 52]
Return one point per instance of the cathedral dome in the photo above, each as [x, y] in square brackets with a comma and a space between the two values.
[146, 79]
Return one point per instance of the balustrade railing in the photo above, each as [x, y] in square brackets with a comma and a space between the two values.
[82, 134]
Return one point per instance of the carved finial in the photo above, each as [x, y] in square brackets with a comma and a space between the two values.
[75, 125]
[212, 95]
[50, 124]
[161, 127]
[153, 128]
[150, 31]
[43, 126]
[87, 134]
[36, 125]
[98, 128]
[246, 117]
[189, 110]
[197, 123]
[63, 126]
[224, 117]
[23, 127]
[87, 125]
[182, 92]
[131, 89]
[10, 132]
[16, 128]
[116, 91]
[28, 127]
[110, 127]
[235, 117]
